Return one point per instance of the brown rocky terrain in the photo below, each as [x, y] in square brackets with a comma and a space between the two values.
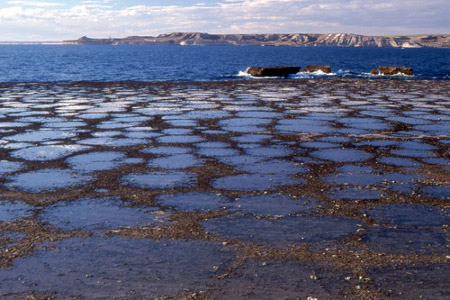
[293, 39]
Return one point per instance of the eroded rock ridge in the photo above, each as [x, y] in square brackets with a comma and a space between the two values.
[294, 39]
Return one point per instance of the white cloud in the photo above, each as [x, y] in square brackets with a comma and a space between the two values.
[34, 3]
[100, 19]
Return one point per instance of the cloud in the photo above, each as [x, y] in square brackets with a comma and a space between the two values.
[103, 18]
[34, 3]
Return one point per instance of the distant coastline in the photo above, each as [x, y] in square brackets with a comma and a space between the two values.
[294, 39]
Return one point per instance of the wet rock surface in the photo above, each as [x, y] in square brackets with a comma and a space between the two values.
[389, 70]
[273, 71]
[315, 68]
[281, 189]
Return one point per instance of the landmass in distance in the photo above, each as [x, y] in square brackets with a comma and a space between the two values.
[293, 39]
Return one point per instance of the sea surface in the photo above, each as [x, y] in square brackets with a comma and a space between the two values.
[61, 63]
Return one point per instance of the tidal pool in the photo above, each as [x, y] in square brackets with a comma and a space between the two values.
[195, 201]
[254, 182]
[342, 155]
[45, 153]
[13, 210]
[274, 205]
[177, 161]
[97, 161]
[283, 231]
[406, 240]
[278, 166]
[160, 180]
[10, 166]
[410, 215]
[116, 267]
[95, 214]
[46, 180]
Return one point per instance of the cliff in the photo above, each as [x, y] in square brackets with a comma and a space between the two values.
[295, 39]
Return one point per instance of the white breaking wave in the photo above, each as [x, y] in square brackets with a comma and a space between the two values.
[244, 74]
[383, 75]
[317, 73]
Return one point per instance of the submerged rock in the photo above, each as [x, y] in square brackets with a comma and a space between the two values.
[387, 70]
[272, 71]
[325, 69]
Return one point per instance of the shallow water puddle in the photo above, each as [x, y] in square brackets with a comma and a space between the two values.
[178, 161]
[303, 125]
[10, 166]
[180, 139]
[13, 210]
[116, 267]
[342, 155]
[437, 191]
[45, 153]
[276, 166]
[254, 182]
[428, 281]
[217, 152]
[160, 180]
[410, 215]
[41, 136]
[97, 161]
[398, 161]
[95, 214]
[13, 124]
[319, 145]
[269, 151]
[404, 240]
[113, 142]
[46, 180]
[166, 150]
[365, 123]
[275, 205]
[251, 138]
[352, 194]
[195, 201]
[284, 231]
[282, 280]
[413, 153]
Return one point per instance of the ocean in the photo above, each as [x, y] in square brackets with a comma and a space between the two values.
[67, 63]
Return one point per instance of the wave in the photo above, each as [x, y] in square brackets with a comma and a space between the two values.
[246, 75]
[316, 74]
[341, 73]
[399, 75]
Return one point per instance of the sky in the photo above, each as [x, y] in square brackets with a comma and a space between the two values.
[56, 20]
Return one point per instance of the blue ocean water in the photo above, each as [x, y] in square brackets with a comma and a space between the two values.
[205, 63]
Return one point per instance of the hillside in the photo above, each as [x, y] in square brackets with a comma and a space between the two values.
[295, 39]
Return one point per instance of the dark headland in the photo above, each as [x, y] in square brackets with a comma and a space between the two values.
[293, 39]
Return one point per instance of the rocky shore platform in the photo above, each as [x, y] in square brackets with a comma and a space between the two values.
[322, 189]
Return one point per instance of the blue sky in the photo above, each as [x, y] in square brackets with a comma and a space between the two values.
[54, 20]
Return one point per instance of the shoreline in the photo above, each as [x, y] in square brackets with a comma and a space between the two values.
[380, 78]
[219, 189]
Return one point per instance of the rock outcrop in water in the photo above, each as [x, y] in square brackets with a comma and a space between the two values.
[294, 39]
[272, 71]
[325, 69]
[387, 70]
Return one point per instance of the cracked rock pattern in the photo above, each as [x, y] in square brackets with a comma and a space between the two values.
[317, 188]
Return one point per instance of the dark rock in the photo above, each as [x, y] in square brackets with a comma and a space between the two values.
[272, 71]
[325, 69]
[386, 70]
